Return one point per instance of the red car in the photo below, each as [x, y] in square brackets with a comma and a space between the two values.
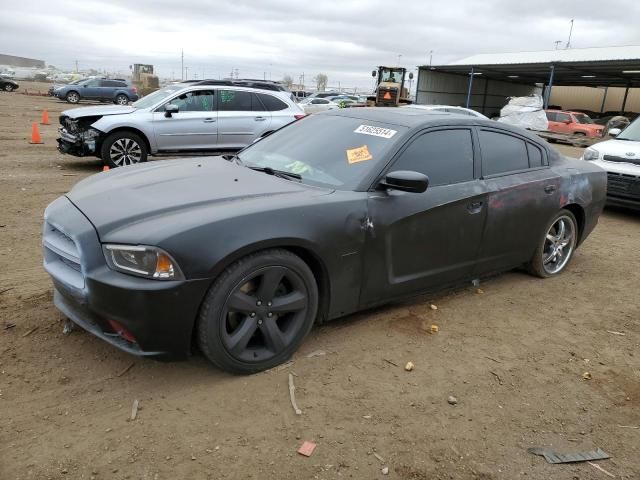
[575, 123]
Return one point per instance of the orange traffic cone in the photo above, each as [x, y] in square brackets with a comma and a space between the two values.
[105, 168]
[45, 117]
[35, 134]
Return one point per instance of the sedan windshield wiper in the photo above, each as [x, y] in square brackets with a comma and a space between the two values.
[276, 173]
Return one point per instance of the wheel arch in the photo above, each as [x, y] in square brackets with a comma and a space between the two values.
[125, 129]
[579, 213]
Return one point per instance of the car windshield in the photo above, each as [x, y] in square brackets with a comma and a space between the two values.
[582, 118]
[632, 132]
[337, 152]
[157, 96]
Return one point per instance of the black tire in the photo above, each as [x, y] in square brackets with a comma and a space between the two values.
[540, 262]
[247, 337]
[72, 97]
[580, 134]
[8, 88]
[123, 148]
[121, 99]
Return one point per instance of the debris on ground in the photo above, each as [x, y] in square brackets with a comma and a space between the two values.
[385, 471]
[479, 291]
[292, 396]
[409, 366]
[134, 410]
[587, 376]
[316, 353]
[553, 457]
[434, 329]
[451, 400]
[8, 326]
[497, 376]
[391, 362]
[26, 334]
[307, 448]
[612, 332]
[69, 327]
[125, 370]
[378, 457]
[493, 359]
[6, 289]
[598, 467]
[433, 307]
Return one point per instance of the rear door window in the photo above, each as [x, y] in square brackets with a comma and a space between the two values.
[551, 116]
[445, 156]
[563, 117]
[502, 153]
[235, 101]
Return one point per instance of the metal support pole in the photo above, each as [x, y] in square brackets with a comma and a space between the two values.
[604, 99]
[624, 101]
[547, 94]
[469, 91]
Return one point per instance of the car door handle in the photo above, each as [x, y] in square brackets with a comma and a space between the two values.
[260, 119]
[209, 120]
[474, 207]
[550, 189]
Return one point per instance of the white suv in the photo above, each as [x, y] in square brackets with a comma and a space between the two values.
[620, 157]
[209, 115]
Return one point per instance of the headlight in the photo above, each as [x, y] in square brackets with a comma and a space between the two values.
[590, 154]
[149, 262]
[90, 134]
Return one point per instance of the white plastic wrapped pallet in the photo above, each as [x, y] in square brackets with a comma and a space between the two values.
[525, 112]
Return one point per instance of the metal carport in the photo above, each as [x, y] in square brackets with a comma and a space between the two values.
[484, 82]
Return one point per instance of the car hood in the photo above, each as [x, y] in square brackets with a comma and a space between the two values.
[129, 195]
[99, 110]
[619, 148]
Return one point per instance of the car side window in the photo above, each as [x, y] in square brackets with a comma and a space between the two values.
[319, 101]
[551, 116]
[445, 156]
[562, 117]
[195, 101]
[93, 83]
[271, 103]
[502, 153]
[535, 156]
[234, 101]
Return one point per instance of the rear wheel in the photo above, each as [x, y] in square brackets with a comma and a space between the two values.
[123, 148]
[557, 246]
[73, 97]
[121, 99]
[8, 87]
[258, 311]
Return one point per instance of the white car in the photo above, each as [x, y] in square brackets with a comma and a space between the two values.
[620, 157]
[316, 105]
[449, 109]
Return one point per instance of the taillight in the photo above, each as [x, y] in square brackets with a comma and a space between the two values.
[135, 89]
[298, 116]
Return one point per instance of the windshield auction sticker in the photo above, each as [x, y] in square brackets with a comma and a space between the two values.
[360, 154]
[375, 131]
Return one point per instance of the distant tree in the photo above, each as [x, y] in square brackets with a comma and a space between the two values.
[321, 82]
[288, 81]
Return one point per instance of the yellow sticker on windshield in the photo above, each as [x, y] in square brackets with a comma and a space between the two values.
[360, 154]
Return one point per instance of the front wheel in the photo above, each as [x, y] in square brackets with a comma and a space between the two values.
[8, 88]
[258, 311]
[556, 247]
[73, 97]
[123, 148]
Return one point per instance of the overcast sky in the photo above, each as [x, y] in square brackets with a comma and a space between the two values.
[271, 38]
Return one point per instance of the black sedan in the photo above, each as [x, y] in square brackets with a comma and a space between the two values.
[7, 84]
[335, 213]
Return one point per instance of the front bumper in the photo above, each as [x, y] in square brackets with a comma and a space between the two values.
[71, 144]
[158, 316]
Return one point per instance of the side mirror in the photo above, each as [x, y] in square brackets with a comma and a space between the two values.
[406, 181]
[170, 109]
[614, 132]
[374, 73]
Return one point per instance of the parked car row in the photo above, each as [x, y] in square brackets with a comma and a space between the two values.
[7, 84]
[118, 91]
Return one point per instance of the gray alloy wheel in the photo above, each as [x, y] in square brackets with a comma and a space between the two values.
[73, 97]
[8, 87]
[123, 148]
[122, 99]
[258, 312]
[557, 246]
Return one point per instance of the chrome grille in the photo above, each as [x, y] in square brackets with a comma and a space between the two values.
[623, 185]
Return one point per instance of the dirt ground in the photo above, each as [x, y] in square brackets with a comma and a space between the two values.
[514, 355]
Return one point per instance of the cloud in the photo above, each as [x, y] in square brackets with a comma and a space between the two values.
[260, 38]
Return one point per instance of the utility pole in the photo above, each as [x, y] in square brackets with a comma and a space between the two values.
[182, 65]
[76, 66]
[186, 73]
[557, 42]
[430, 57]
[399, 58]
[570, 32]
